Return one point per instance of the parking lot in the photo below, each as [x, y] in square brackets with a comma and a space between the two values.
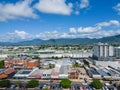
[56, 86]
[52, 86]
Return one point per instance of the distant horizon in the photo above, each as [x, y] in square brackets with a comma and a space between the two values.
[65, 41]
[23, 40]
[22, 20]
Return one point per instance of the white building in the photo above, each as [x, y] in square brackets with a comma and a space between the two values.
[115, 64]
[102, 50]
[117, 52]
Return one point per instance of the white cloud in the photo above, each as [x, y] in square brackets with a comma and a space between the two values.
[95, 28]
[54, 7]
[104, 33]
[73, 30]
[83, 30]
[87, 29]
[84, 4]
[24, 9]
[16, 36]
[22, 34]
[110, 23]
[117, 8]
[48, 35]
[96, 31]
[18, 10]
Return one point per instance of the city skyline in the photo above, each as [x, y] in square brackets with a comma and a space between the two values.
[47, 19]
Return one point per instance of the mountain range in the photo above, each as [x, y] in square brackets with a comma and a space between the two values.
[66, 41]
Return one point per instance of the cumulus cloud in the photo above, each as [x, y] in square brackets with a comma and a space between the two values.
[73, 30]
[18, 10]
[87, 29]
[27, 9]
[117, 8]
[97, 27]
[104, 33]
[22, 34]
[96, 31]
[84, 4]
[48, 35]
[106, 24]
[54, 7]
[16, 36]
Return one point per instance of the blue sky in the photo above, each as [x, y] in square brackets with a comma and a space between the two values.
[45, 19]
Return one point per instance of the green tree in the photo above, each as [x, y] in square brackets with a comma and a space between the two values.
[86, 63]
[32, 83]
[4, 83]
[65, 83]
[36, 57]
[97, 84]
[76, 65]
[18, 83]
[51, 66]
[2, 64]
[46, 89]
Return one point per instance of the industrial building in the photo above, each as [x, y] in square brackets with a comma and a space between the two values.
[102, 50]
[117, 52]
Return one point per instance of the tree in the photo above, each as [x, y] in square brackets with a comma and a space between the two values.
[36, 57]
[65, 83]
[46, 89]
[18, 83]
[4, 83]
[2, 64]
[86, 63]
[51, 66]
[97, 84]
[79, 48]
[76, 65]
[32, 83]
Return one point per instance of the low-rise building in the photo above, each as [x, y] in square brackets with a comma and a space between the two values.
[6, 73]
[117, 52]
[73, 74]
[21, 63]
[22, 74]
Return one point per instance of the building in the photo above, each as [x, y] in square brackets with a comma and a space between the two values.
[55, 75]
[22, 74]
[115, 64]
[36, 73]
[63, 72]
[117, 52]
[21, 63]
[102, 50]
[47, 74]
[32, 63]
[73, 74]
[6, 73]
[92, 73]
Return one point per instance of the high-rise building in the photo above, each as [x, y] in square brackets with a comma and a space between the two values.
[117, 52]
[102, 50]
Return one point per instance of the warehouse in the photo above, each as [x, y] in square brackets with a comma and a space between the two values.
[94, 74]
[22, 74]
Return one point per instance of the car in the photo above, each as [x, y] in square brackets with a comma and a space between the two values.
[81, 88]
[39, 87]
[90, 88]
[12, 86]
[103, 88]
[106, 88]
[17, 88]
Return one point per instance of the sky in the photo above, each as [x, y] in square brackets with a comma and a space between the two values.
[22, 20]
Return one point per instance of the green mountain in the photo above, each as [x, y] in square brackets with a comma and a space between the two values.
[67, 41]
